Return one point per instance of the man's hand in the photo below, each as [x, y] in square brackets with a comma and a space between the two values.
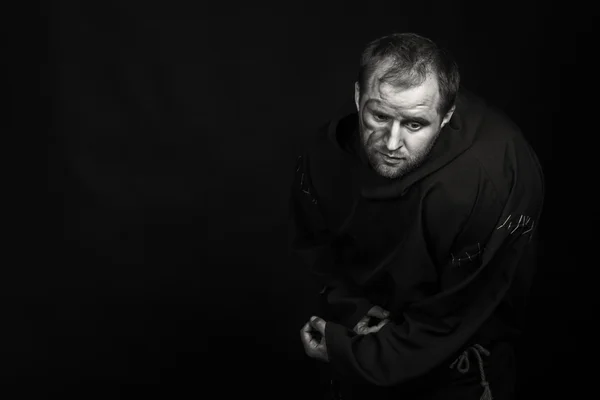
[363, 328]
[312, 335]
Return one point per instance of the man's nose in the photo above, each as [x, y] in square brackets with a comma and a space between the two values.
[394, 138]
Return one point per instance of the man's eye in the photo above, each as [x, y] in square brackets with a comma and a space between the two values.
[413, 126]
[381, 117]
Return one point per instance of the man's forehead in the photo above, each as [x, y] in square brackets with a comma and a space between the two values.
[414, 100]
[395, 105]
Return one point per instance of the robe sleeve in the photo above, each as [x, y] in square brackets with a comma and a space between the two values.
[430, 331]
[310, 240]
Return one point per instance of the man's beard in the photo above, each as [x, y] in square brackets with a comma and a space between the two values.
[408, 164]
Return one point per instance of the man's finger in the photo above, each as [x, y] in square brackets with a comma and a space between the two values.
[378, 312]
[376, 328]
[381, 324]
[361, 325]
[318, 324]
[307, 340]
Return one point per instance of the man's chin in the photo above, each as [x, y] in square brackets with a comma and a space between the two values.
[390, 173]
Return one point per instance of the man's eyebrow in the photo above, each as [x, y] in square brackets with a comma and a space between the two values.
[420, 120]
[390, 112]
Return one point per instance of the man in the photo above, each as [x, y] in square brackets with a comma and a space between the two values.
[418, 214]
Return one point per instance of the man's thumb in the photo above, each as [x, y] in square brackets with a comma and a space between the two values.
[378, 312]
[318, 324]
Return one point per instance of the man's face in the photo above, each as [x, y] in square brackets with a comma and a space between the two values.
[398, 127]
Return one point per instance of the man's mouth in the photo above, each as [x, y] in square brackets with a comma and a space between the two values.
[391, 159]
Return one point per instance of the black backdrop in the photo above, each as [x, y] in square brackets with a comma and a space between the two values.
[174, 128]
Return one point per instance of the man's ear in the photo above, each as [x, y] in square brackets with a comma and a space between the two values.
[448, 116]
[357, 95]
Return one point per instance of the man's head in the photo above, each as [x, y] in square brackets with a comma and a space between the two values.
[404, 95]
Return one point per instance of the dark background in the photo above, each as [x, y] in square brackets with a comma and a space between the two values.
[173, 132]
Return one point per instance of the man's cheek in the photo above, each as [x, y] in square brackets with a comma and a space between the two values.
[374, 129]
[374, 135]
[365, 120]
[368, 125]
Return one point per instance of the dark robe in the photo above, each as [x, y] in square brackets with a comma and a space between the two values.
[448, 249]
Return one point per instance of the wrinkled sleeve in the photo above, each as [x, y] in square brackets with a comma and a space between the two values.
[430, 331]
[310, 240]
